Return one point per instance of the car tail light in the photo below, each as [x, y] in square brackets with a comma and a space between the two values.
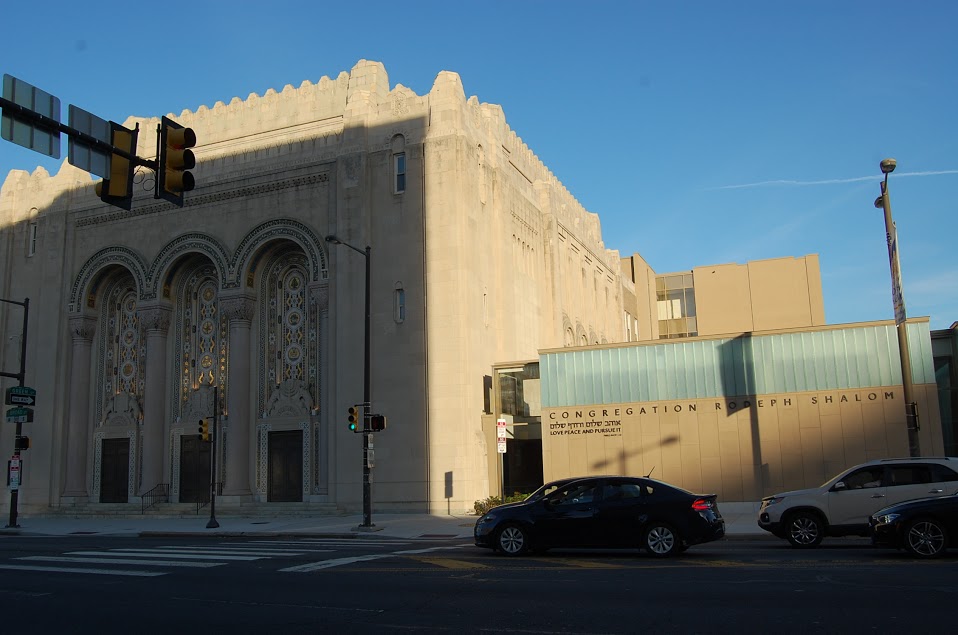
[702, 504]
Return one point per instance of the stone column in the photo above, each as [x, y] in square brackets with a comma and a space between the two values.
[82, 328]
[155, 321]
[239, 310]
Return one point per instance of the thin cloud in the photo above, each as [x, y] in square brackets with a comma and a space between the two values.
[857, 179]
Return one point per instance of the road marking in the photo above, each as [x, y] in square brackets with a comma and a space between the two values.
[151, 563]
[153, 554]
[585, 564]
[338, 562]
[277, 544]
[141, 574]
[228, 550]
[449, 563]
[345, 542]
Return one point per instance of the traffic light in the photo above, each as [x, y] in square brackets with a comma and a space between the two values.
[204, 429]
[355, 418]
[118, 189]
[174, 161]
[21, 443]
[377, 423]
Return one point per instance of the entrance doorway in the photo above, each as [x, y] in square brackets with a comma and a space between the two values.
[115, 471]
[285, 466]
[194, 469]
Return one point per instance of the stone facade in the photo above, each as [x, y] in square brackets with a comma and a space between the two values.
[142, 322]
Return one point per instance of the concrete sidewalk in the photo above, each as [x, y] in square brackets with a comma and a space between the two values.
[740, 523]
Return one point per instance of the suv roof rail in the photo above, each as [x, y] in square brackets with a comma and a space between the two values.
[921, 458]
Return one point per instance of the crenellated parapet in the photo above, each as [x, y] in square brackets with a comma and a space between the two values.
[355, 112]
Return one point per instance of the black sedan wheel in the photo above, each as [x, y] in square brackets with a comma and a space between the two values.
[512, 540]
[804, 530]
[925, 538]
[661, 540]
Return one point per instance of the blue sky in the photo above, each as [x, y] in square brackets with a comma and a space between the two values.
[700, 132]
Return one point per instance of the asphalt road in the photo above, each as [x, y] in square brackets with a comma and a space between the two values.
[368, 585]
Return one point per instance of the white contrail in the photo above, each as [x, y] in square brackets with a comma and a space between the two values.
[857, 179]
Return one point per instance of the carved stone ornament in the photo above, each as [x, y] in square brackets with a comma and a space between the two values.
[122, 409]
[240, 307]
[290, 398]
[320, 293]
[155, 318]
[199, 405]
[82, 327]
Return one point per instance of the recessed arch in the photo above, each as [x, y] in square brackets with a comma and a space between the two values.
[99, 267]
[251, 249]
[163, 266]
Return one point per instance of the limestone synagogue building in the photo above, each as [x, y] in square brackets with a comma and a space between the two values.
[134, 316]
[143, 322]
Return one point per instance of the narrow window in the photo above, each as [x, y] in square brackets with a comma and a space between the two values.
[399, 304]
[399, 164]
[32, 240]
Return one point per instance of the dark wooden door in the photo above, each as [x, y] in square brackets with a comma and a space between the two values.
[194, 469]
[286, 466]
[115, 471]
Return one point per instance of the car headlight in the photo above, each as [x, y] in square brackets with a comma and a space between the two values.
[774, 500]
[886, 519]
[488, 518]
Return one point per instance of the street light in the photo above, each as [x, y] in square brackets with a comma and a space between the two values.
[367, 503]
[898, 299]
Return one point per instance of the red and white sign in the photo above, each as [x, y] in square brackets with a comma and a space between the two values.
[14, 472]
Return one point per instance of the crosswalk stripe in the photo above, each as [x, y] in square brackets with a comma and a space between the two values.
[256, 552]
[142, 574]
[151, 563]
[300, 550]
[153, 554]
[344, 542]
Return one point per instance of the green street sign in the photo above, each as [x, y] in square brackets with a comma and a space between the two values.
[20, 396]
[19, 415]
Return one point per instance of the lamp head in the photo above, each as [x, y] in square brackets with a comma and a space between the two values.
[880, 202]
[888, 166]
[334, 240]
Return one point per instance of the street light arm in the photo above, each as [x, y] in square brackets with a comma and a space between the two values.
[336, 241]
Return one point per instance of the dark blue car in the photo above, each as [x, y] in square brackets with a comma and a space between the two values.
[924, 528]
[603, 512]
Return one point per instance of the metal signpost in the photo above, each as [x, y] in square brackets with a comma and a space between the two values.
[501, 447]
[20, 396]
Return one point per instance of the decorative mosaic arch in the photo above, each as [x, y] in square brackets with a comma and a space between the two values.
[89, 272]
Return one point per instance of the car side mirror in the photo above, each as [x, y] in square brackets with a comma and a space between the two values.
[837, 487]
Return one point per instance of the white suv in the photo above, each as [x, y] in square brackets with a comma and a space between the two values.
[842, 505]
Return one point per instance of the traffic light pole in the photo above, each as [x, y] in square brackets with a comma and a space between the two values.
[213, 524]
[48, 123]
[367, 489]
[367, 405]
[21, 377]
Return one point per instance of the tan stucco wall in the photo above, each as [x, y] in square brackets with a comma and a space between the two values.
[759, 295]
[740, 452]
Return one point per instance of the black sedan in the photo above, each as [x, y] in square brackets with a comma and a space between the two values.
[603, 512]
[924, 528]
